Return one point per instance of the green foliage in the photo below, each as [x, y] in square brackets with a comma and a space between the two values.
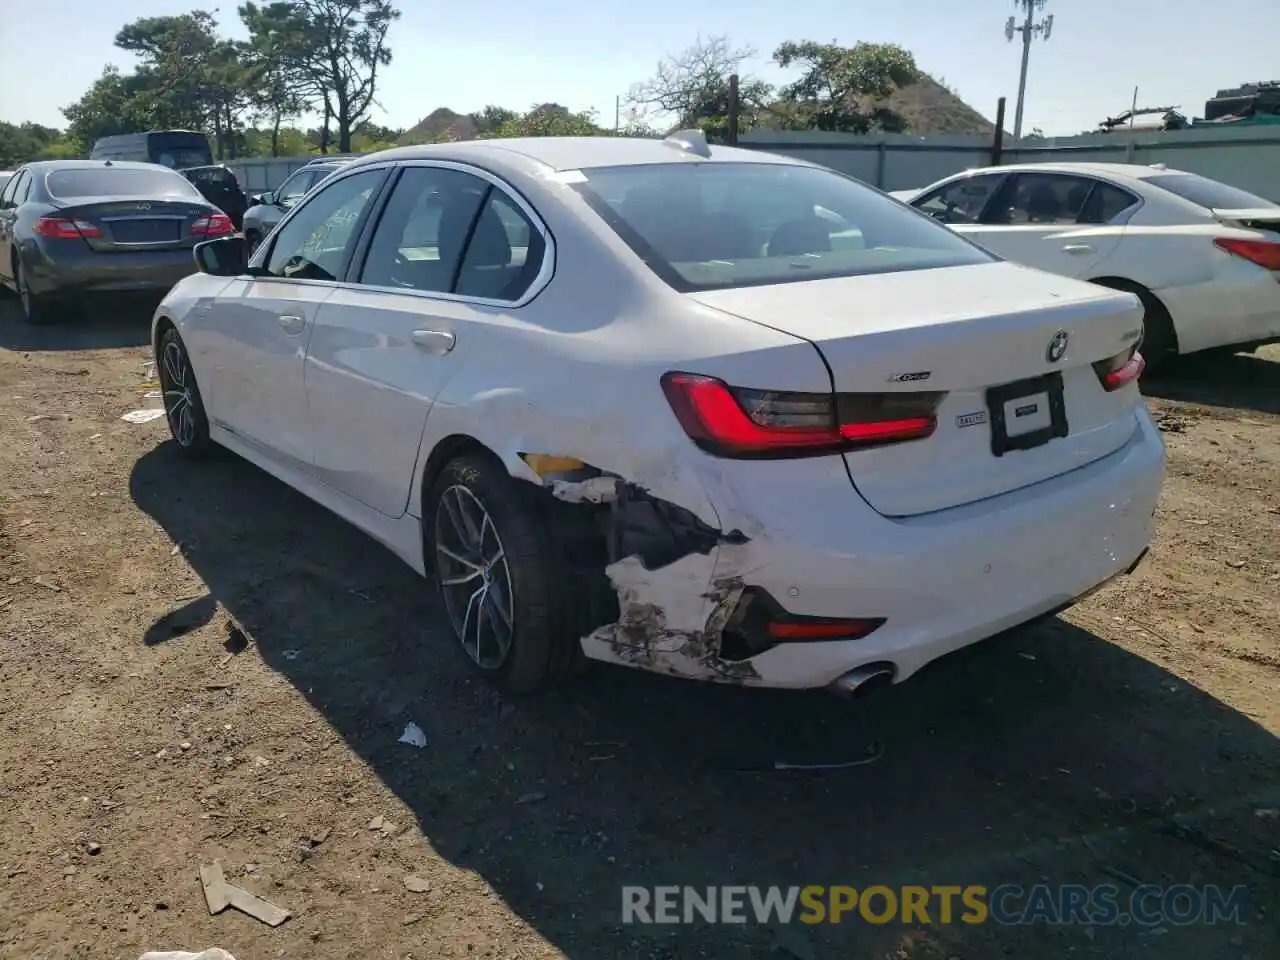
[839, 85]
[549, 120]
[32, 141]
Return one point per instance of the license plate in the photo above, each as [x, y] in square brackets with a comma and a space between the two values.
[1027, 413]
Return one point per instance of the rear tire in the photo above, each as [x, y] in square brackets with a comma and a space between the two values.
[495, 565]
[183, 405]
[252, 241]
[35, 310]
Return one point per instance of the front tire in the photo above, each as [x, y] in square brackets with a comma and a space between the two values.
[494, 564]
[183, 405]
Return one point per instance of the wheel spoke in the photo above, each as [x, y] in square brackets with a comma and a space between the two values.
[186, 426]
[464, 578]
[453, 510]
[500, 605]
[174, 366]
[458, 558]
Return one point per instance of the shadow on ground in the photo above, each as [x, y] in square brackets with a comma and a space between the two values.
[1240, 380]
[110, 323]
[995, 763]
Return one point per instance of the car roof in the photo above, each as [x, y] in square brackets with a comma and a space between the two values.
[574, 153]
[1130, 171]
[48, 166]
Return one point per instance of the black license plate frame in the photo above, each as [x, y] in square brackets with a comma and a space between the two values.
[1049, 384]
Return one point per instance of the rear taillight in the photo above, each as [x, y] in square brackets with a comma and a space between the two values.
[214, 225]
[64, 228]
[744, 423]
[1125, 367]
[1265, 253]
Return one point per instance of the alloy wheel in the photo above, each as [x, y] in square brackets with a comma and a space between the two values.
[475, 580]
[24, 294]
[177, 381]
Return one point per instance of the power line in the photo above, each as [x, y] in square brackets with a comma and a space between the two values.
[1028, 29]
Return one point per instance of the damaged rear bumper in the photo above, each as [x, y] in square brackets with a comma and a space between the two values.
[941, 581]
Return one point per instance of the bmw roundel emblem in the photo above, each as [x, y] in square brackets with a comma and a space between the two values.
[1057, 347]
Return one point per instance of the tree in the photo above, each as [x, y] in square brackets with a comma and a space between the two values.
[337, 48]
[20, 144]
[840, 86]
[282, 88]
[109, 107]
[548, 120]
[693, 87]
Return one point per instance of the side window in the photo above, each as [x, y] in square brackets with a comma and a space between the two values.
[1106, 203]
[419, 240]
[23, 190]
[960, 201]
[505, 252]
[6, 195]
[313, 244]
[1041, 198]
[293, 189]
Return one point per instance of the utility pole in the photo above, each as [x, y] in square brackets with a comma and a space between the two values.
[1028, 30]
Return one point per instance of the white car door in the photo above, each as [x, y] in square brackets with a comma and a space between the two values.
[451, 248]
[1041, 220]
[254, 337]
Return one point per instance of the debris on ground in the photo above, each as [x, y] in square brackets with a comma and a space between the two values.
[213, 953]
[416, 884]
[533, 796]
[413, 735]
[220, 895]
[145, 415]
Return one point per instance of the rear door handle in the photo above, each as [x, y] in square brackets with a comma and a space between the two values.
[292, 324]
[1078, 248]
[438, 342]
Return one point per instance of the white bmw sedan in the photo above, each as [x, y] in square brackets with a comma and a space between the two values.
[710, 412]
[1203, 256]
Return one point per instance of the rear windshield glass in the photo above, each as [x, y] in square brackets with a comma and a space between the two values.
[217, 176]
[1208, 193]
[703, 226]
[119, 182]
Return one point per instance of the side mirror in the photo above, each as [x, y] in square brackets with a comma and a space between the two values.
[269, 198]
[224, 257]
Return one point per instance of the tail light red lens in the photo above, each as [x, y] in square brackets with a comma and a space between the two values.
[1265, 253]
[64, 228]
[1125, 367]
[214, 225]
[739, 422]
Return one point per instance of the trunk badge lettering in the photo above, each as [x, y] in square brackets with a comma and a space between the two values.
[971, 419]
[1057, 348]
[911, 377]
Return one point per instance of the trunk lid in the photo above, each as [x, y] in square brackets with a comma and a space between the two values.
[1260, 218]
[981, 334]
[120, 226]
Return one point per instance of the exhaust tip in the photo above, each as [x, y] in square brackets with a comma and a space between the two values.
[863, 680]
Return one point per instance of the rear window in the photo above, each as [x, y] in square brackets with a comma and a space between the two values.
[704, 226]
[118, 182]
[1208, 193]
[216, 176]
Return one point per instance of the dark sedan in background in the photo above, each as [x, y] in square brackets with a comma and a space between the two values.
[71, 227]
[218, 184]
[268, 209]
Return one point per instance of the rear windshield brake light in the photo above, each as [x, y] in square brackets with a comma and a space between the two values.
[1265, 253]
[742, 423]
[63, 228]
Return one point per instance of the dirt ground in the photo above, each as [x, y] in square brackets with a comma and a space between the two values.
[142, 732]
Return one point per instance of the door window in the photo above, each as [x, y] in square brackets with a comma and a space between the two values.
[1106, 203]
[505, 252]
[1040, 198]
[960, 201]
[420, 238]
[313, 244]
[23, 190]
[295, 187]
[11, 189]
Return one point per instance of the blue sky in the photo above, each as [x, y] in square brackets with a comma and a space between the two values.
[467, 54]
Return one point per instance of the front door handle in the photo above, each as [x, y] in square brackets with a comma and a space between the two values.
[292, 324]
[438, 342]
[1078, 248]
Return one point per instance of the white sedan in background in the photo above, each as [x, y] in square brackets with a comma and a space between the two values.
[704, 411]
[1203, 256]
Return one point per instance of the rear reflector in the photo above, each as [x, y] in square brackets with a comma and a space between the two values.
[62, 228]
[759, 623]
[214, 225]
[1265, 253]
[1125, 367]
[739, 422]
